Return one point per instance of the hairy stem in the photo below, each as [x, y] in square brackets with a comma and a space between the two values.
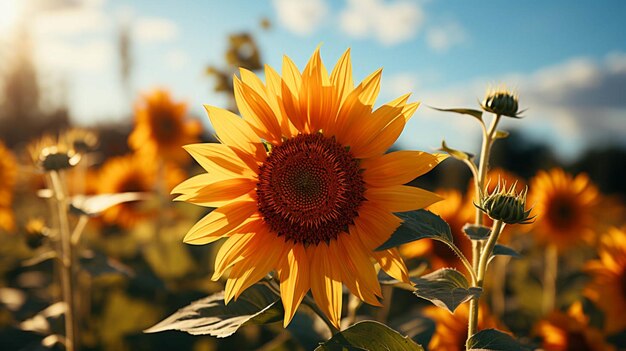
[67, 279]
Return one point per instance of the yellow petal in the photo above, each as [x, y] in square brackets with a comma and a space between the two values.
[274, 91]
[235, 132]
[218, 193]
[326, 283]
[341, 76]
[294, 279]
[220, 222]
[397, 168]
[231, 252]
[401, 198]
[220, 158]
[391, 262]
[256, 111]
[255, 266]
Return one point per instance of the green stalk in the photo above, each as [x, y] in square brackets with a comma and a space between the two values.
[477, 246]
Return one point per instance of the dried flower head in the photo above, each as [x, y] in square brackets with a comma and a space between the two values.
[53, 153]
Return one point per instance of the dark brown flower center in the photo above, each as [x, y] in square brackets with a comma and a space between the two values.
[562, 212]
[310, 189]
[165, 126]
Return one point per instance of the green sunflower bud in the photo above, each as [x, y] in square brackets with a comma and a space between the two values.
[507, 206]
[501, 102]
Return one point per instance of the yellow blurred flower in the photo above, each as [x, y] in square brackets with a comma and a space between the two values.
[570, 331]
[8, 177]
[132, 173]
[161, 128]
[456, 211]
[303, 186]
[607, 288]
[564, 206]
[451, 329]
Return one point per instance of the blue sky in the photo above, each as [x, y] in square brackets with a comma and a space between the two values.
[566, 59]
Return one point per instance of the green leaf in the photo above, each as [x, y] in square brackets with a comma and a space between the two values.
[501, 134]
[256, 305]
[502, 250]
[477, 232]
[369, 335]
[458, 154]
[419, 224]
[463, 111]
[495, 340]
[446, 288]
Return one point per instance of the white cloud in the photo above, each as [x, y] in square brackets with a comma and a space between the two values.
[155, 29]
[63, 56]
[388, 22]
[399, 84]
[301, 16]
[570, 105]
[443, 37]
[176, 59]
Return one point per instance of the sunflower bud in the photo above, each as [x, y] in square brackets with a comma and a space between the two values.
[501, 102]
[36, 232]
[507, 206]
[53, 154]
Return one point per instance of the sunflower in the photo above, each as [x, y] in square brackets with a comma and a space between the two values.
[302, 184]
[8, 177]
[132, 173]
[161, 128]
[565, 207]
[456, 212]
[607, 287]
[451, 328]
[570, 331]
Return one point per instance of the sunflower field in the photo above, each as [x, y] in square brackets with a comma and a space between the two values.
[293, 212]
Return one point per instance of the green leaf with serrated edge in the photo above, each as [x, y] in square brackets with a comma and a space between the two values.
[501, 134]
[446, 288]
[371, 336]
[476, 232]
[495, 340]
[210, 316]
[418, 224]
[502, 250]
[464, 111]
[458, 154]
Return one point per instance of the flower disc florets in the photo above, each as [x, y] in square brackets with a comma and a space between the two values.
[507, 206]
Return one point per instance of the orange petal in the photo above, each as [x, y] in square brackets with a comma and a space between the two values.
[374, 225]
[397, 168]
[252, 268]
[218, 193]
[401, 198]
[391, 262]
[381, 140]
[294, 279]
[220, 222]
[341, 76]
[357, 270]
[274, 91]
[326, 282]
[220, 158]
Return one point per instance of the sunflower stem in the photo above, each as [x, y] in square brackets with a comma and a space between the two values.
[313, 306]
[66, 258]
[550, 271]
[478, 251]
